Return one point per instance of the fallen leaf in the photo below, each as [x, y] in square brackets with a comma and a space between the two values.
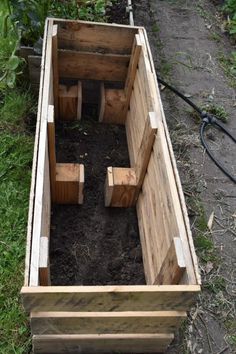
[208, 268]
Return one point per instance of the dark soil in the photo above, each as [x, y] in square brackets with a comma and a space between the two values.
[91, 244]
[117, 13]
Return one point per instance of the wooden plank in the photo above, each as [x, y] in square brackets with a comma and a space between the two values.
[42, 156]
[133, 64]
[70, 102]
[105, 322]
[109, 298]
[174, 166]
[101, 343]
[173, 266]
[52, 149]
[69, 183]
[34, 65]
[55, 68]
[145, 148]
[34, 165]
[92, 66]
[96, 37]
[44, 270]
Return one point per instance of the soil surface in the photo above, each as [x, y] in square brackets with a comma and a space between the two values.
[117, 12]
[187, 45]
[91, 244]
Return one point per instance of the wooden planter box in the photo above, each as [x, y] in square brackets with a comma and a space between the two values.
[108, 319]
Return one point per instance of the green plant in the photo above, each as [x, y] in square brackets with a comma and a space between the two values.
[10, 63]
[29, 18]
[230, 9]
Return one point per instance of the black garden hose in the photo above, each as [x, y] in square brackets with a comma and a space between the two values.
[207, 119]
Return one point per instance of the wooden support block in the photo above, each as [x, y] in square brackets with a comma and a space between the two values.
[55, 68]
[120, 187]
[112, 106]
[145, 149]
[101, 343]
[105, 322]
[69, 183]
[44, 270]
[70, 102]
[34, 63]
[174, 265]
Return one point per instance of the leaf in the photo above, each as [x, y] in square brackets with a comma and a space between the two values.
[11, 79]
[13, 63]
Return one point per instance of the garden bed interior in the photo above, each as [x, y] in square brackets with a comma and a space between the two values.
[110, 262]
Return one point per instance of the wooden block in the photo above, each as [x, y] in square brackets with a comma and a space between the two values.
[107, 298]
[112, 106]
[174, 265]
[101, 343]
[55, 68]
[44, 266]
[70, 102]
[69, 183]
[105, 322]
[92, 66]
[120, 187]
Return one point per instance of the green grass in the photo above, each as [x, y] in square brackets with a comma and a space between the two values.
[15, 171]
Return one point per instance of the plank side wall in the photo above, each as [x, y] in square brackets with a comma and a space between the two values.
[159, 192]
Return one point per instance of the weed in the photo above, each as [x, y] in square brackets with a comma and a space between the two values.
[215, 285]
[228, 64]
[215, 37]
[15, 108]
[155, 28]
[165, 68]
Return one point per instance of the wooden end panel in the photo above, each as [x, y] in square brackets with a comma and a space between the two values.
[110, 298]
[77, 35]
[104, 343]
[105, 322]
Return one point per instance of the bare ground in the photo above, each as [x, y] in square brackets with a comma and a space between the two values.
[187, 45]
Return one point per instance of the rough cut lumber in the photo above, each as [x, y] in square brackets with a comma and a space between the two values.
[55, 67]
[69, 183]
[92, 66]
[109, 298]
[105, 322]
[70, 102]
[34, 165]
[94, 37]
[173, 266]
[133, 64]
[52, 149]
[120, 187]
[112, 106]
[101, 343]
[44, 270]
[145, 149]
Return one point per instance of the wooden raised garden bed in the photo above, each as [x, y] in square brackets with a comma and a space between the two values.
[108, 66]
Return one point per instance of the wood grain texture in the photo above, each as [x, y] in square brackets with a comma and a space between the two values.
[92, 66]
[69, 104]
[114, 107]
[173, 266]
[109, 298]
[105, 343]
[55, 68]
[96, 37]
[69, 183]
[52, 149]
[105, 322]
[44, 266]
